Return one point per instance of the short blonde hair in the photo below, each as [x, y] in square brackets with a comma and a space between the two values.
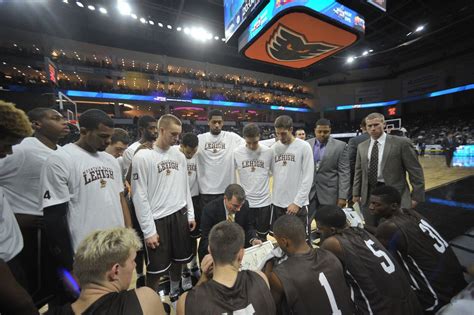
[99, 251]
[375, 116]
[13, 121]
[167, 119]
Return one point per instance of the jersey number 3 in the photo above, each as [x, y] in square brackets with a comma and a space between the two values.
[440, 244]
[387, 265]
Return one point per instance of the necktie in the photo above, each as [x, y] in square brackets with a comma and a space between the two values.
[374, 163]
[231, 217]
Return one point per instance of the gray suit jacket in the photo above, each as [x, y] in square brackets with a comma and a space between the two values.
[399, 158]
[332, 180]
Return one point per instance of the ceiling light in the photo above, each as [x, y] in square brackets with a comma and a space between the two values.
[142, 20]
[124, 8]
[216, 37]
[79, 4]
[371, 50]
[169, 26]
[65, 1]
[151, 22]
[419, 28]
[160, 24]
[91, 7]
[134, 16]
[223, 39]
[187, 31]
[365, 53]
[103, 10]
[179, 28]
[350, 59]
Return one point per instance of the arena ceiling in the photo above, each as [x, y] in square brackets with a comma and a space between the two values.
[447, 32]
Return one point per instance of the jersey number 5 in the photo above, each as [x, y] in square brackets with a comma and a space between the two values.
[387, 265]
[440, 244]
[332, 300]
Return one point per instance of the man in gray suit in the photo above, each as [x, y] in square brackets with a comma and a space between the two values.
[331, 180]
[352, 152]
[385, 160]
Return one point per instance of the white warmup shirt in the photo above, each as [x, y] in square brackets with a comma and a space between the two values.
[293, 169]
[90, 183]
[215, 161]
[11, 241]
[268, 142]
[128, 155]
[254, 168]
[159, 186]
[192, 176]
[20, 175]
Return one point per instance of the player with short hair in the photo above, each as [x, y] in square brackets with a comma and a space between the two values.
[104, 265]
[430, 263]
[293, 169]
[14, 127]
[377, 280]
[118, 143]
[147, 128]
[215, 164]
[20, 179]
[81, 188]
[305, 280]
[163, 204]
[300, 134]
[253, 163]
[189, 147]
[222, 287]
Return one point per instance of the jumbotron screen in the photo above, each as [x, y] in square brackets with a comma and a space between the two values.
[236, 12]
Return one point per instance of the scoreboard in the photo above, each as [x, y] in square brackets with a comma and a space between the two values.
[237, 12]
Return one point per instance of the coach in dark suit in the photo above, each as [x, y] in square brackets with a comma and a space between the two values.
[449, 145]
[231, 207]
[352, 152]
[386, 160]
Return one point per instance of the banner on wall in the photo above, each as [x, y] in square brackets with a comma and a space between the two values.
[368, 94]
[422, 84]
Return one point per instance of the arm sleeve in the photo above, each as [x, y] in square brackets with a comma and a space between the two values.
[189, 199]
[127, 158]
[54, 180]
[206, 225]
[357, 176]
[140, 195]
[352, 154]
[344, 175]
[307, 176]
[415, 172]
[59, 236]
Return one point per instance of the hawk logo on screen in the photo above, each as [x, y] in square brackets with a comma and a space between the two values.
[288, 45]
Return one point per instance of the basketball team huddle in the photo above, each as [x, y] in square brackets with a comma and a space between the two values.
[184, 207]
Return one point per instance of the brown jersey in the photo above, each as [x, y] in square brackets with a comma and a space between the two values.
[429, 261]
[377, 280]
[249, 295]
[314, 283]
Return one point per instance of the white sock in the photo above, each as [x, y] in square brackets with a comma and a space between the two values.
[174, 286]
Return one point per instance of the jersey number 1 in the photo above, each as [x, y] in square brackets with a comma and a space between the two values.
[327, 287]
[387, 265]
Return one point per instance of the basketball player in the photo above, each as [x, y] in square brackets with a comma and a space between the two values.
[20, 179]
[377, 280]
[300, 134]
[189, 146]
[118, 143]
[163, 204]
[148, 131]
[81, 188]
[293, 169]
[253, 163]
[306, 280]
[14, 126]
[429, 261]
[215, 165]
[223, 289]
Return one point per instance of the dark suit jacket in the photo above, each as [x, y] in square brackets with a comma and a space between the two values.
[352, 148]
[399, 159]
[214, 212]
